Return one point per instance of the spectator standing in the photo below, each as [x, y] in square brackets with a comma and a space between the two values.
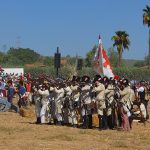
[22, 94]
[10, 94]
[28, 91]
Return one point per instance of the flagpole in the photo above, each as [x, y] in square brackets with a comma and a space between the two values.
[101, 60]
[101, 63]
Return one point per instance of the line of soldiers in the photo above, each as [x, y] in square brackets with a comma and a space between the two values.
[74, 102]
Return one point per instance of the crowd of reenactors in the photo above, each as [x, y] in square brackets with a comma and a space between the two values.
[115, 101]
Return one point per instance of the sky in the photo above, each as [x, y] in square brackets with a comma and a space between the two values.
[72, 25]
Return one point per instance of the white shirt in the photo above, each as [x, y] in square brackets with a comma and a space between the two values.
[140, 89]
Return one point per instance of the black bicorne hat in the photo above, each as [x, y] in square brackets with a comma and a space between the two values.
[76, 78]
[97, 78]
[85, 78]
[105, 79]
[125, 82]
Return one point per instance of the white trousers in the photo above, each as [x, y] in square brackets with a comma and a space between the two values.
[43, 112]
[73, 117]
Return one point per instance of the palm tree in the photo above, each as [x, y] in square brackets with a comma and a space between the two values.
[146, 16]
[146, 21]
[121, 41]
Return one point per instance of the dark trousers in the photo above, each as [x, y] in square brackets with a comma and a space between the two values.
[22, 102]
[102, 122]
[15, 108]
[87, 121]
[130, 121]
[110, 122]
[114, 117]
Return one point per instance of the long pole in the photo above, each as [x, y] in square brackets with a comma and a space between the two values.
[57, 64]
[57, 72]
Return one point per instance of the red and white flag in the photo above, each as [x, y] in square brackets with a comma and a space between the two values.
[101, 61]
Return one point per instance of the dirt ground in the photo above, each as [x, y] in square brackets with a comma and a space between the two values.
[20, 133]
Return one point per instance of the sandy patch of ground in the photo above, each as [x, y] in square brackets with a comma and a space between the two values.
[20, 133]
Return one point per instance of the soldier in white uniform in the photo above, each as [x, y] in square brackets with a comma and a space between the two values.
[52, 117]
[99, 88]
[59, 95]
[37, 100]
[125, 93]
[66, 110]
[74, 101]
[109, 95]
[44, 92]
[86, 102]
[125, 98]
[142, 94]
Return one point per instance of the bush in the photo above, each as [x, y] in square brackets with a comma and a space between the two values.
[68, 71]
[139, 64]
[35, 71]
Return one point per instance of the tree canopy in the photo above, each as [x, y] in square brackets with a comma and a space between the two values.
[146, 16]
[113, 57]
[121, 41]
[22, 56]
[90, 56]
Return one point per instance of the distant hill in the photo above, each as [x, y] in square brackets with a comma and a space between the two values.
[130, 62]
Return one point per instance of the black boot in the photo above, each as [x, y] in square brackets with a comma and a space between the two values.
[130, 121]
[75, 126]
[55, 121]
[38, 121]
[90, 122]
[100, 122]
[104, 122]
[84, 126]
[50, 123]
[59, 123]
[110, 122]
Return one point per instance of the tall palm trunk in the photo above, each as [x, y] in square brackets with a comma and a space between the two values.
[120, 57]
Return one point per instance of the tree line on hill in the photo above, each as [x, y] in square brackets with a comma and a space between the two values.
[22, 56]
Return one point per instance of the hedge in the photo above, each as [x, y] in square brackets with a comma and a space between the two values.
[68, 71]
